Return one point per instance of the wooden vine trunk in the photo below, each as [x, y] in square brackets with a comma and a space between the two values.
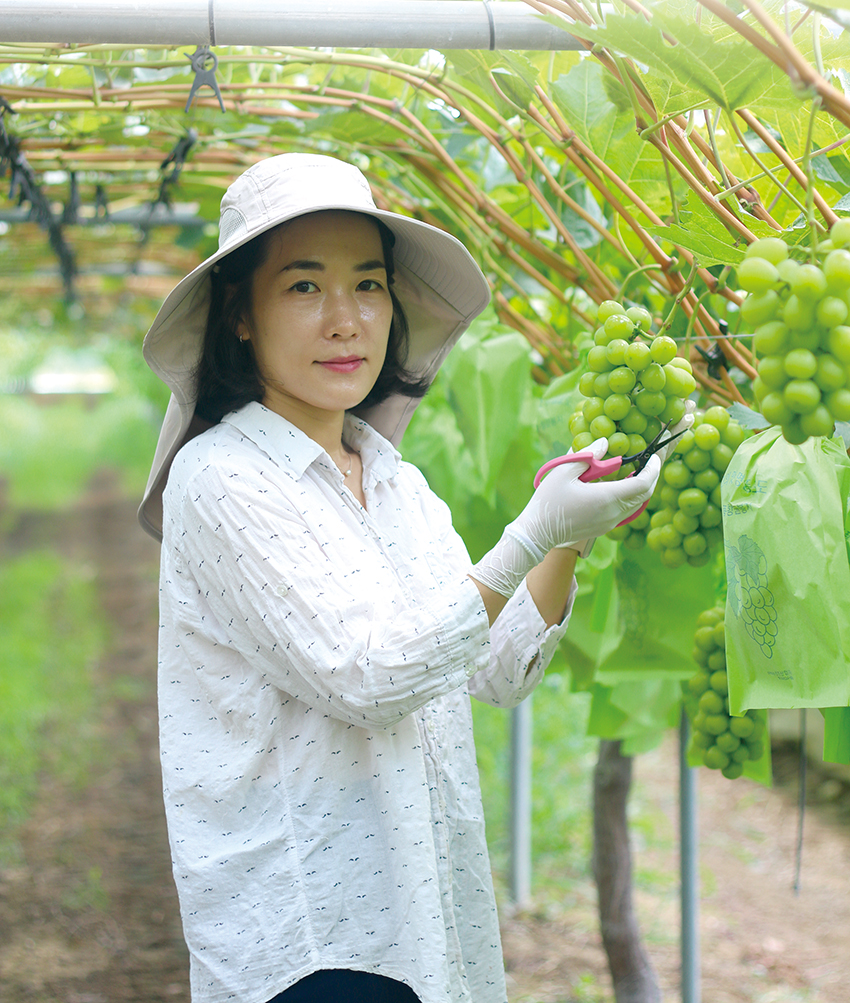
[631, 971]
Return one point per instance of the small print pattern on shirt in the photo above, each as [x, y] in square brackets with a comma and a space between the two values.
[315, 664]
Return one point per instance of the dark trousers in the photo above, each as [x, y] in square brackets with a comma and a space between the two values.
[343, 986]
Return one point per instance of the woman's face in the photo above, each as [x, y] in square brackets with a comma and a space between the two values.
[320, 314]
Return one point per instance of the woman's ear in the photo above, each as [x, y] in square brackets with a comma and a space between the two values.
[242, 331]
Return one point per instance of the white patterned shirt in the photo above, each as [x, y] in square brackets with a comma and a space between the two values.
[319, 772]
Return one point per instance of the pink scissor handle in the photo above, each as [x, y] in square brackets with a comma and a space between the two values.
[595, 470]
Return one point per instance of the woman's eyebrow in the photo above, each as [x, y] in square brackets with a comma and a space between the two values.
[305, 265]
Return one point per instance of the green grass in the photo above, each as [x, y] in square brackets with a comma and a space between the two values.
[50, 451]
[562, 766]
[53, 633]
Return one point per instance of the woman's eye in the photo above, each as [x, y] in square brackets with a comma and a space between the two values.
[370, 285]
[304, 286]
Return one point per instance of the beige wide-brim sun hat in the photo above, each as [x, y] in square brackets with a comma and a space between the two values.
[437, 281]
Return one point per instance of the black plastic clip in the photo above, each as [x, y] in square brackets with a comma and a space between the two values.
[204, 63]
[715, 357]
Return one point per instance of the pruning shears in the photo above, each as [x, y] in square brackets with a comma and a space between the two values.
[597, 469]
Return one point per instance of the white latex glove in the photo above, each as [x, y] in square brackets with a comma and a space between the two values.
[563, 512]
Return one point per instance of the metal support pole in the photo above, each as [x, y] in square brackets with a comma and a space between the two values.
[689, 871]
[411, 24]
[520, 862]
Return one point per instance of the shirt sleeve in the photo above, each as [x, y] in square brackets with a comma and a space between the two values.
[267, 589]
[521, 645]
[521, 648]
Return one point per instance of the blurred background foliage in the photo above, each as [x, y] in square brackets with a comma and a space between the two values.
[637, 168]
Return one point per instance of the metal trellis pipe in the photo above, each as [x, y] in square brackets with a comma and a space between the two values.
[416, 24]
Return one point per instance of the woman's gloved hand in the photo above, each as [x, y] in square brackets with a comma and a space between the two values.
[663, 454]
[563, 512]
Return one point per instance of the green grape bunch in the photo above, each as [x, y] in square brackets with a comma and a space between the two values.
[683, 521]
[722, 741]
[750, 596]
[800, 314]
[636, 384]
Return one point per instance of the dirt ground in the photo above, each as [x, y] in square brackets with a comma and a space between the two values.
[89, 913]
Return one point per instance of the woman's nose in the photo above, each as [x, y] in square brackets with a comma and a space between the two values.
[343, 315]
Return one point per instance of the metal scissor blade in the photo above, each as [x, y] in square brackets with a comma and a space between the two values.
[641, 459]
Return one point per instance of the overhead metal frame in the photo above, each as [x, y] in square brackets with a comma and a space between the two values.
[412, 24]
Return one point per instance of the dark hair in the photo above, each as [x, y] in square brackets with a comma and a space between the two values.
[227, 376]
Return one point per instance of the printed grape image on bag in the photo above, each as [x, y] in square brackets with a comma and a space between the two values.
[785, 526]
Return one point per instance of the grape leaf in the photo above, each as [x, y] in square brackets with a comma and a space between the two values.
[747, 417]
[701, 232]
[582, 97]
[732, 74]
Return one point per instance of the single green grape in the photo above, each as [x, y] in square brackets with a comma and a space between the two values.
[638, 356]
[706, 480]
[717, 416]
[586, 383]
[618, 326]
[592, 408]
[770, 338]
[771, 371]
[818, 422]
[617, 406]
[602, 427]
[772, 249]
[774, 408]
[650, 402]
[838, 403]
[663, 349]
[618, 444]
[692, 501]
[676, 474]
[832, 310]
[615, 351]
[800, 364]
[640, 317]
[674, 411]
[836, 269]
[706, 436]
[809, 282]
[839, 343]
[801, 396]
[597, 359]
[798, 313]
[697, 459]
[721, 456]
[830, 373]
[759, 308]
[634, 423]
[710, 517]
[757, 275]
[622, 379]
[608, 308]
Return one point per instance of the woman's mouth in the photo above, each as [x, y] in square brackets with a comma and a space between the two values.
[346, 364]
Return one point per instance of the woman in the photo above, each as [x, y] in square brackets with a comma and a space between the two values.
[321, 624]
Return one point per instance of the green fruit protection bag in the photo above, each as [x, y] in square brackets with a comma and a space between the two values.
[785, 526]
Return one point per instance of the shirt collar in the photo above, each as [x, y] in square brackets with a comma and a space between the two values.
[294, 451]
